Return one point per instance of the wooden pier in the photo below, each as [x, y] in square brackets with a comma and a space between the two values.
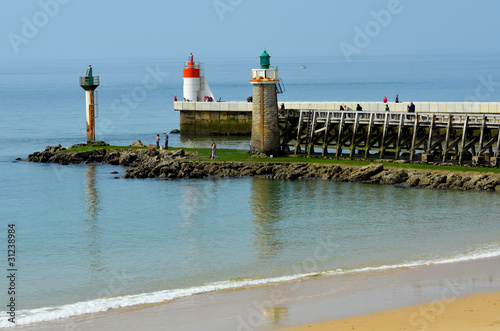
[429, 138]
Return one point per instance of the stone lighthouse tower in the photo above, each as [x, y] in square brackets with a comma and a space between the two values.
[265, 130]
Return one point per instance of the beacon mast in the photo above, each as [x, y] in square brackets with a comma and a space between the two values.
[196, 88]
[89, 83]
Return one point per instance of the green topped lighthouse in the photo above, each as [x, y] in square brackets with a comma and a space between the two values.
[265, 130]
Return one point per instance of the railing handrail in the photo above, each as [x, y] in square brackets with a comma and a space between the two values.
[424, 117]
[89, 80]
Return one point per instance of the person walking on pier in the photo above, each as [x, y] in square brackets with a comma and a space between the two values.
[397, 98]
[385, 99]
[348, 109]
[387, 107]
[166, 141]
[411, 109]
[158, 141]
[359, 108]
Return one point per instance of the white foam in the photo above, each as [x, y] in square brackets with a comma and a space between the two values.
[103, 304]
[482, 253]
[99, 305]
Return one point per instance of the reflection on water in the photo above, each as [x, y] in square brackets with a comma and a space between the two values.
[266, 205]
[92, 234]
[196, 198]
[275, 315]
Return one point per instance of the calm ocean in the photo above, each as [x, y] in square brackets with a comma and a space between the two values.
[86, 242]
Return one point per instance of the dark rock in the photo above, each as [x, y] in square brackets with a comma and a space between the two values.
[138, 143]
[179, 153]
[112, 157]
[175, 131]
[472, 184]
[113, 172]
[53, 149]
[45, 156]
[135, 173]
[391, 178]
[366, 172]
[153, 152]
[63, 159]
[247, 171]
[490, 184]
[413, 180]
[211, 169]
[126, 158]
[197, 174]
[432, 180]
[264, 170]
[76, 145]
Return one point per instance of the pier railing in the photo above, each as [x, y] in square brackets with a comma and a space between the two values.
[395, 117]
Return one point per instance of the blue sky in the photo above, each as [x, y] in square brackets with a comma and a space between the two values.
[98, 29]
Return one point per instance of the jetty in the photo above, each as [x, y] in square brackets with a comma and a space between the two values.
[235, 117]
[433, 132]
[454, 132]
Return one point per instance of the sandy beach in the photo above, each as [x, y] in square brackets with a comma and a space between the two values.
[443, 290]
[470, 313]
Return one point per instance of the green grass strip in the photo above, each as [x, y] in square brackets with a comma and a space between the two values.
[237, 155]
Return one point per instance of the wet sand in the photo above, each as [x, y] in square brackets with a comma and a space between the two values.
[470, 313]
[315, 300]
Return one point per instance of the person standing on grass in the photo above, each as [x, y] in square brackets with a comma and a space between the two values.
[166, 141]
[214, 151]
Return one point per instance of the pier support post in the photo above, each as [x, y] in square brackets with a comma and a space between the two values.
[369, 135]
[340, 136]
[414, 138]
[398, 140]
[447, 139]
[464, 136]
[384, 135]
[325, 138]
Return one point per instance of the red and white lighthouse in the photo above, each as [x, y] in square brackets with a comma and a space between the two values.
[196, 87]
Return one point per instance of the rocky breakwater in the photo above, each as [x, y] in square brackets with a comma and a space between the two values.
[373, 174]
[147, 158]
[180, 164]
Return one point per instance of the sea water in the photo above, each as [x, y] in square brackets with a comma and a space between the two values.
[87, 242]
